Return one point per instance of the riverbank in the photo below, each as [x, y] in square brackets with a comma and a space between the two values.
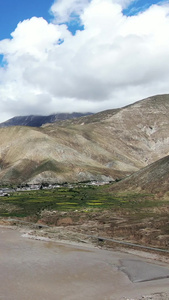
[87, 232]
[105, 266]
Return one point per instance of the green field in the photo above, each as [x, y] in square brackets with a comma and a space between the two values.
[29, 203]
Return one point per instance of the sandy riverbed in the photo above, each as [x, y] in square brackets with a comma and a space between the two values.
[41, 270]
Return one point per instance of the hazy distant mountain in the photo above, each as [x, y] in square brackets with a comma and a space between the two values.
[37, 121]
[104, 146]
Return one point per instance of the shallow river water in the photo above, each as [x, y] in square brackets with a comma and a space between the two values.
[38, 270]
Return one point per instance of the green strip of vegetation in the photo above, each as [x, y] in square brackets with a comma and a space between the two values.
[29, 203]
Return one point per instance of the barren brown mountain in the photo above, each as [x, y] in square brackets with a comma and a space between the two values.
[152, 179]
[104, 146]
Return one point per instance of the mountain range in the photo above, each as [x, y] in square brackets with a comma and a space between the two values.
[37, 121]
[106, 146]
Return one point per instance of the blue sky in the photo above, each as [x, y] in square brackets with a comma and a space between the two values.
[113, 53]
[140, 5]
[14, 11]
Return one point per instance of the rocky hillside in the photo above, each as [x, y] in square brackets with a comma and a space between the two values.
[152, 179]
[37, 121]
[104, 146]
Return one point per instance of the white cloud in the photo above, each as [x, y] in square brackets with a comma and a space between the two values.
[64, 10]
[124, 3]
[114, 61]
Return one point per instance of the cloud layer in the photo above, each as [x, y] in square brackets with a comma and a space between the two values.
[114, 61]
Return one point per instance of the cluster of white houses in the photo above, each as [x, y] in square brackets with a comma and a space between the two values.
[6, 191]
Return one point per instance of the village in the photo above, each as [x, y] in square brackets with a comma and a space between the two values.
[6, 191]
